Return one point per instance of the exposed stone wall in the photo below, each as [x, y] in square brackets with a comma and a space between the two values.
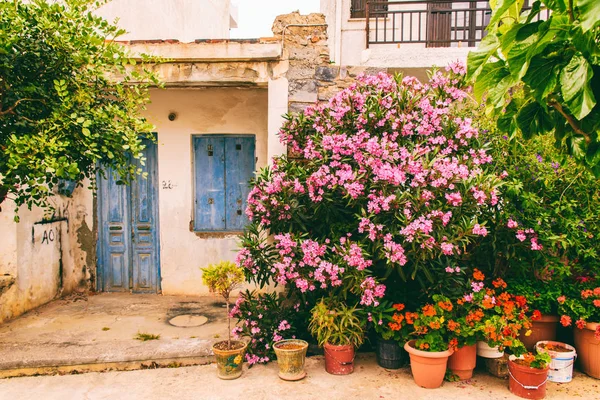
[312, 77]
[304, 49]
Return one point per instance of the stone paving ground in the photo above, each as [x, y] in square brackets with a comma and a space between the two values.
[96, 332]
[261, 382]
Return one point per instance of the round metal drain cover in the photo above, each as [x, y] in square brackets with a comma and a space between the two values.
[188, 321]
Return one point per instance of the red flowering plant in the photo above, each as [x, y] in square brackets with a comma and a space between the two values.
[430, 325]
[582, 309]
[496, 315]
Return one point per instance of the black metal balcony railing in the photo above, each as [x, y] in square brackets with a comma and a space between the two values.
[435, 23]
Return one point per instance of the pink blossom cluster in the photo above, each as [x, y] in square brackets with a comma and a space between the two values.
[523, 234]
[382, 174]
[371, 291]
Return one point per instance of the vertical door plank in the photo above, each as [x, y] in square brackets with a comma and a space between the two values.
[239, 169]
[209, 176]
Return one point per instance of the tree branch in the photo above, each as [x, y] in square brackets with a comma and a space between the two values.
[11, 109]
[572, 121]
[570, 11]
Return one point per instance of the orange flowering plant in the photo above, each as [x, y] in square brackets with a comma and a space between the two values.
[430, 325]
[581, 309]
[496, 316]
[390, 321]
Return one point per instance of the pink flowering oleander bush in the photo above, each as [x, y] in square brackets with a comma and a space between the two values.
[264, 319]
[391, 182]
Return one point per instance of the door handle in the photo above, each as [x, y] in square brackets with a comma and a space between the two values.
[143, 227]
[115, 228]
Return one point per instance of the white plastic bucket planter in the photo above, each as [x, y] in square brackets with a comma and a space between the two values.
[485, 351]
[561, 367]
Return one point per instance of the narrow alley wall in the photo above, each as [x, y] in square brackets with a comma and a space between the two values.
[45, 255]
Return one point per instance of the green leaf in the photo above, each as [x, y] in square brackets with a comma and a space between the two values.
[524, 45]
[556, 5]
[533, 120]
[575, 86]
[592, 156]
[476, 59]
[589, 13]
[502, 8]
[540, 76]
[490, 77]
[576, 146]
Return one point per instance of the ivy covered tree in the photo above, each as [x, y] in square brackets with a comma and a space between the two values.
[555, 61]
[63, 114]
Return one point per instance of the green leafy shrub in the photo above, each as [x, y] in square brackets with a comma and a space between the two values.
[222, 279]
[64, 115]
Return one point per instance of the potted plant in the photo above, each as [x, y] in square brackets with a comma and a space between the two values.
[392, 331]
[584, 309]
[563, 358]
[340, 330]
[222, 279]
[541, 298]
[430, 349]
[463, 327]
[528, 374]
[291, 354]
[497, 315]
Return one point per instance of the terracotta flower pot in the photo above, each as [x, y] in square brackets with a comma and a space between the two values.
[588, 349]
[339, 360]
[462, 362]
[428, 367]
[291, 355]
[526, 382]
[230, 362]
[543, 329]
[390, 354]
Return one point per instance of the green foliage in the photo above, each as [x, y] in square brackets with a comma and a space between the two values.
[337, 325]
[557, 63]
[551, 193]
[144, 337]
[70, 99]
[265, 318]
[222, 278]
[539, 360]
[581, 303]
[541, 295]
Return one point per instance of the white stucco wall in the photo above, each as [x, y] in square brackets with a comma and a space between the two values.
[199, 111]
[45, 259]
[184, 20]
[347, 40]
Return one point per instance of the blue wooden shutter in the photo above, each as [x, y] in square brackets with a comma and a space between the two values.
[239, 169]
[209, 153]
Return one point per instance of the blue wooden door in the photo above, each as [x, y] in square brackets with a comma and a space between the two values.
[128, 254]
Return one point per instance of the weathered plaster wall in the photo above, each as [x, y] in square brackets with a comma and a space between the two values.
[40, 260]
[185, 20]
[199, 111]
